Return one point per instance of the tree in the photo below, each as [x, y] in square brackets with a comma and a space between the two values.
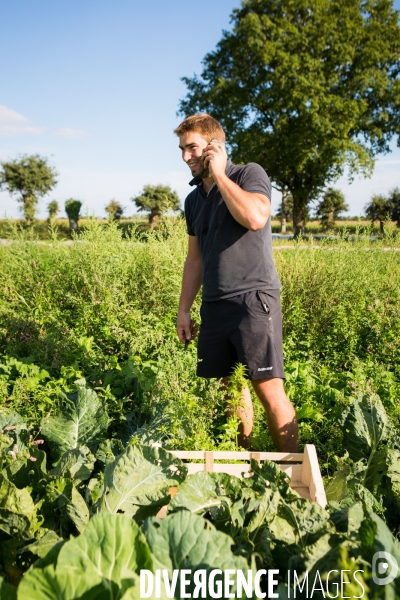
[332, 204]
[72, 208]
[53, 209]
[157, 199]
[114, 210]
[394, 199]
[379, 209]
[285, 211]
[304, 88]
[29, 176]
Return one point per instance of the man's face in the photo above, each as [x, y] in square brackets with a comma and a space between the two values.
[192, 145]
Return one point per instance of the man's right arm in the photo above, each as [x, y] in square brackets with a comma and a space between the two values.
[191, 283]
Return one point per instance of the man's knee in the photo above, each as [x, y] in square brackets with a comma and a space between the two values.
[271, 392]
[269, 387]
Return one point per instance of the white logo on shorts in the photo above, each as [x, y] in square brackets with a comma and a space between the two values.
[265, 368]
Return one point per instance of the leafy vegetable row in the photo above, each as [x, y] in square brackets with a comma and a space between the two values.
[214, 521]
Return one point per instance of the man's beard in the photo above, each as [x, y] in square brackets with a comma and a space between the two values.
[203, 172]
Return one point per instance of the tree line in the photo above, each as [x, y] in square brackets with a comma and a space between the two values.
[31, 177]
[332, 204]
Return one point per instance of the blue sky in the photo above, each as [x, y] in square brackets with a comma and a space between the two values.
[95, 86]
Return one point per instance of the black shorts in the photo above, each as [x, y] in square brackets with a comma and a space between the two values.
[246, 329]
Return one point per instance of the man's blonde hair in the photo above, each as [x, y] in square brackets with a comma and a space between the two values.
[205, 124]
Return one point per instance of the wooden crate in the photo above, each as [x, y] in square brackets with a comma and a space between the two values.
[303, 469]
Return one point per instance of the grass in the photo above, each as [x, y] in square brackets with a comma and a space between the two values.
[104, 308]
[40, 228]
[351, 226]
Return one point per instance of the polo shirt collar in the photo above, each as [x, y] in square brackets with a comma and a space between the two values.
[228, 170]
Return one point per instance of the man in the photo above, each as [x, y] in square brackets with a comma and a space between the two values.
[230, 254]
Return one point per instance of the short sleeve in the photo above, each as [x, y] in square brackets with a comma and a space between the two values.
[189, 225]
[254, 179]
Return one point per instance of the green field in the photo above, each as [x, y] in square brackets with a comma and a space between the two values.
[40, 228]
[101, 312]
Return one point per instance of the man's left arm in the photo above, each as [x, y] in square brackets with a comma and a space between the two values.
[252, 210]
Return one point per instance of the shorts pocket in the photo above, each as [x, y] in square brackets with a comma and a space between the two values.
[258, 306]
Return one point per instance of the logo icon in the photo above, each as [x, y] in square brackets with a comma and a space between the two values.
[384, 568]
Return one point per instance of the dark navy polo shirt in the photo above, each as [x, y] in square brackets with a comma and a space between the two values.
[235, 260]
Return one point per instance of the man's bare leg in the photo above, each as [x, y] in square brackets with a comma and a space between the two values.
[244, 412]
[281, 416]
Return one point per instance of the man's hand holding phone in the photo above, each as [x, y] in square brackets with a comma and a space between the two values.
[215, 158]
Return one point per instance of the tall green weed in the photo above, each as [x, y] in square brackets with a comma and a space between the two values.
[341, 302]
[103, 307]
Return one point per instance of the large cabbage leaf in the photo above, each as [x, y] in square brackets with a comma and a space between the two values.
[7, 592]
[184, 540]
[140, 478]
[372, 465]
[203, 491]
[16, 510]
[269, 474]
[83, 422]
[365, 425]
[14, 524]
[43, 545]
[10, 418]
[242, 509]
[76, 464]
[24, 472]
[334, 552]
[393, 471]
[102, 563]
[347, 519]
[69, 501]
[12, 424]
[15, 500]
[296, 526]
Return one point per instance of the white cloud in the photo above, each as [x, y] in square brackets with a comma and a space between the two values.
[67, 132]
[12, 123]
[9, 116]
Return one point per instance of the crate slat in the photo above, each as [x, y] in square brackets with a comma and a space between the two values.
[294, 472]
[311, 475]
[303, 469]
[303, 491]
[226, 455]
